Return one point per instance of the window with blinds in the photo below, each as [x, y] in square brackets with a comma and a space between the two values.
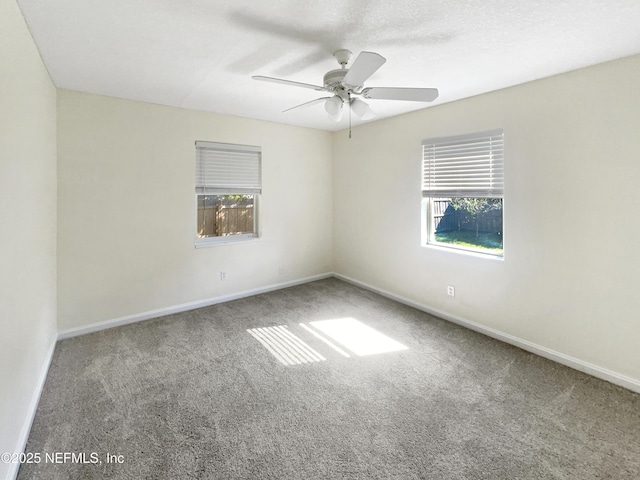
[463, 190]
[228, 181]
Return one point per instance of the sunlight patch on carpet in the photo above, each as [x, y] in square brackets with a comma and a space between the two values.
[285, 346]
[325, 340]
[361, 339]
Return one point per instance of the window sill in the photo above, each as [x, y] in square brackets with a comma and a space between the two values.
[228, 240]
[463, 251]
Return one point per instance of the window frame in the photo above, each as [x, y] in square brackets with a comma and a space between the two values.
[492, 187]
[240, 184]
[225, 239]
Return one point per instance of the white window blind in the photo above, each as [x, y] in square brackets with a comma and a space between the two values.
[464, 166]
[225, 168]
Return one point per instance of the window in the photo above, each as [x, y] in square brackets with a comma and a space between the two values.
[462, 190]
[228, 184]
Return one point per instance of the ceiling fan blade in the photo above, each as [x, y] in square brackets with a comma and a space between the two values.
[363, 67]
[307, 104]
[398, 93]
[288, 82]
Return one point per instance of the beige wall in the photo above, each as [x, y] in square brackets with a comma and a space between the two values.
[125, 216]
[126, 208]
[27, 227]
[569, 277]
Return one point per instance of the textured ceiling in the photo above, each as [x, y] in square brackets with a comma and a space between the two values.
[201, 54]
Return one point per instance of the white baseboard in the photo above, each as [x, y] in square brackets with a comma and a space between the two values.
[31, 411]
[161, 312]
[575, 363]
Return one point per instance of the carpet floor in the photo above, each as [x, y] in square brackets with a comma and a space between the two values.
[322, 381]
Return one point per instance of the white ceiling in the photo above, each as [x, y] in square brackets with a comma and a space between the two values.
[200, 54]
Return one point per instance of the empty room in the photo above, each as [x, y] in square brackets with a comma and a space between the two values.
[313, 240]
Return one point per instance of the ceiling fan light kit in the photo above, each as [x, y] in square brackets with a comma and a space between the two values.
[361, 108]
[346, 85]
[333, 105]
[338, 116]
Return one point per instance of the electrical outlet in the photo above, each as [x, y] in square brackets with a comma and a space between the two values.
[451, 290]
[223, 275]
[281, 271]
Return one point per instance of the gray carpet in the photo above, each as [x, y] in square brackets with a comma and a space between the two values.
[197, 395]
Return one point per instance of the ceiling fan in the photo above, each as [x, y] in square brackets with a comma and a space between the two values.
[346, 86]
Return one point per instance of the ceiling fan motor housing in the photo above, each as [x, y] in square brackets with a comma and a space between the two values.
[333, 79]
[334, 82]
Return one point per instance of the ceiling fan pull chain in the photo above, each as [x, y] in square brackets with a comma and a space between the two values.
[349, 95]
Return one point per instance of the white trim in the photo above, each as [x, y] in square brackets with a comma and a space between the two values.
[161, 312]
[580, 365]
[225, 240]
[575, 363]
[452, 248]
[12, 473]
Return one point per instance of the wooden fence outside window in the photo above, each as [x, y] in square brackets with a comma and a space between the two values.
[225, 220]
